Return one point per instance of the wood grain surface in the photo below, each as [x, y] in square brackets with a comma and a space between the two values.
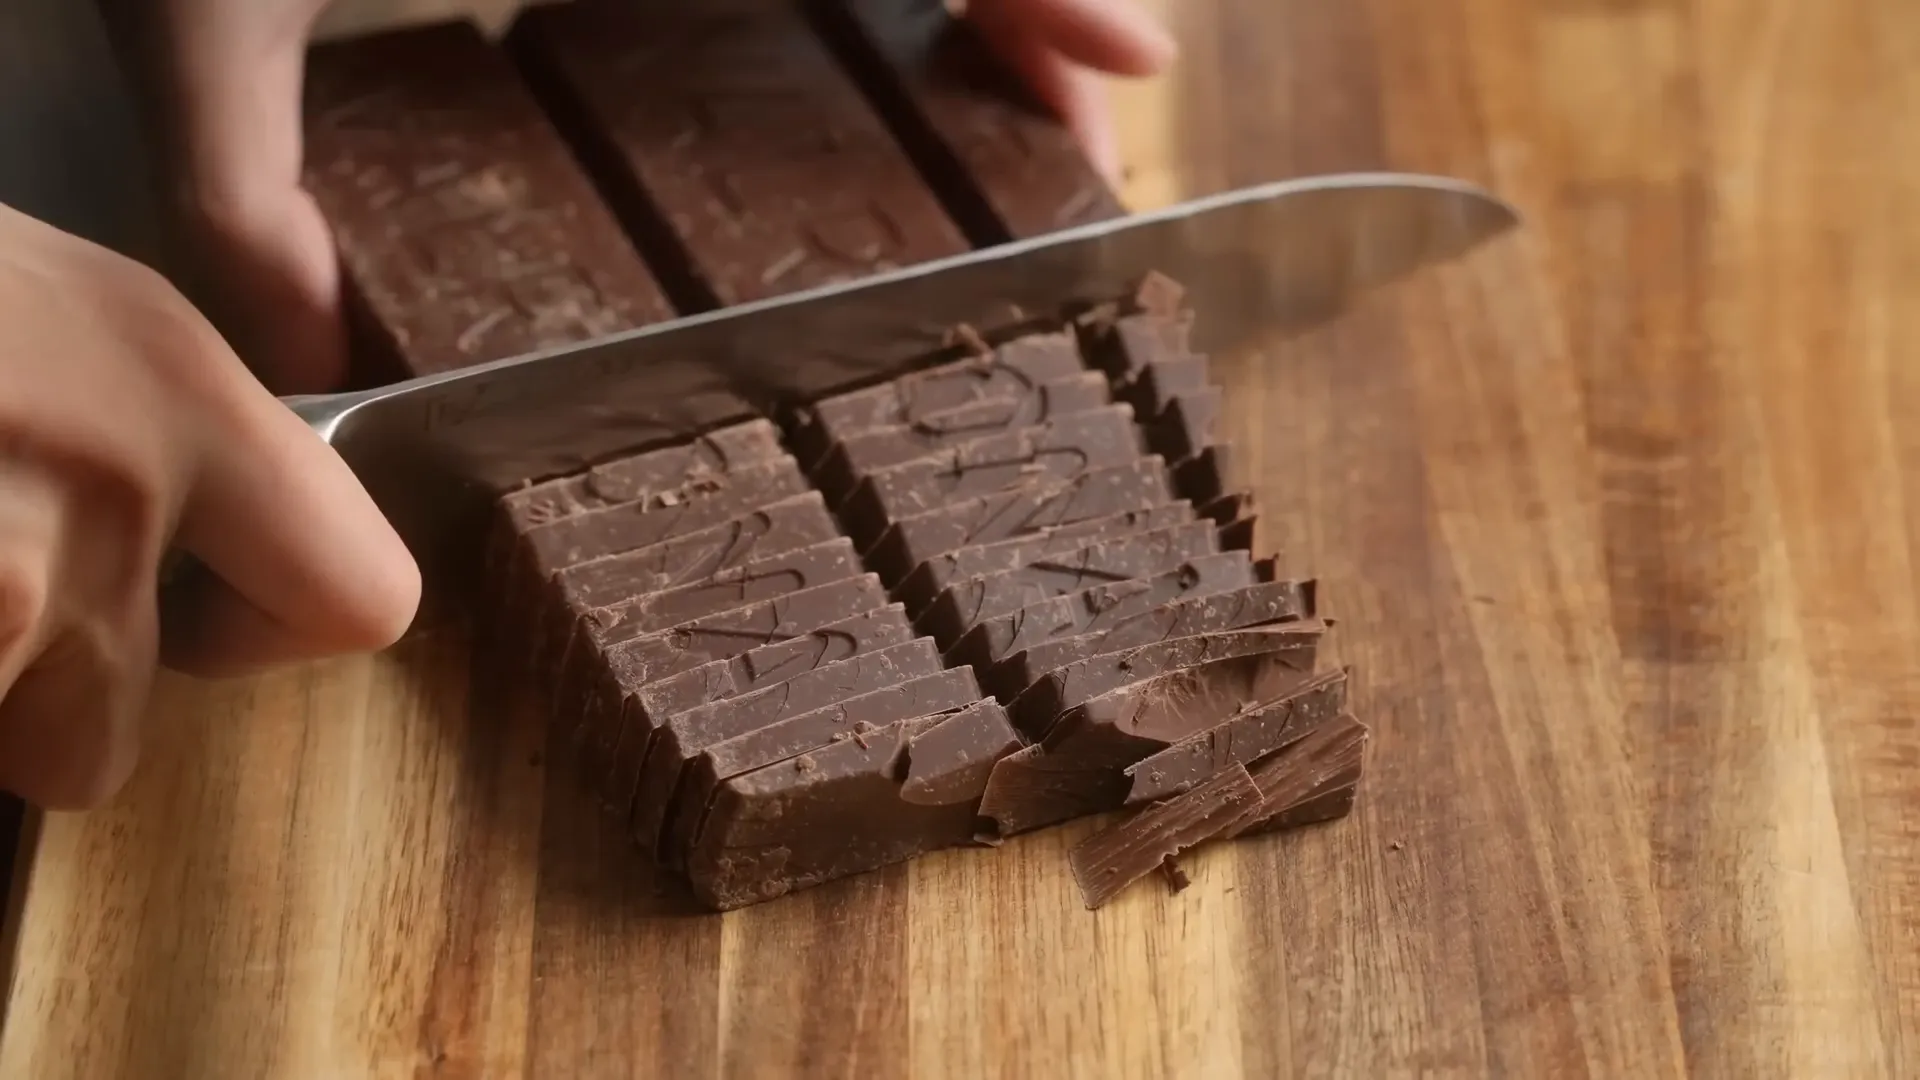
[1619, 518]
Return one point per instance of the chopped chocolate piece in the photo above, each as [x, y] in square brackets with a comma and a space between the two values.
[636, 477]
[1228, 510]
[1134, 343]
[1005, 166]
[644, 523]
[681, 736]
[1330, 805]
[853, 719]
[1203, 478]
[913, 540]
[1326, 761]
[1187, 425]
[849, 807]
[1093, 609]
[1158, 294]
[1256, 605]
[633, 664]
[839, 468]
[935, 575]
[926, 398]
[1030, 789]
[1164, 381]
[1246, 737]
[466, 231]
[729, 125]
[1110, 860]
[1277, 657]
[1177, 879]
[1060, 450]
[1238, 535]
[966, 603]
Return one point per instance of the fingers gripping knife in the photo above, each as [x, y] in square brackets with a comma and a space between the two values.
[1269, 260]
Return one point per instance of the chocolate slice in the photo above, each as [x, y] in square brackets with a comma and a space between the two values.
[681, 736]
[1304, 782]
[1188, 424]
[1004, 165]
[633, 664]
[839, 467]
[966, 603]
[1276, 658]
[1012, 370]
[1164, 381]
[851, 806]
[1057, 451]
[1245, 738]
[853, 718]
[910, 541]
[1131, 344]
[1203, 478]
[1110, 860]
[1239, 609]
[937, 574]
[1094, 609]
[725, 133]
[645, 707]
[466, 231]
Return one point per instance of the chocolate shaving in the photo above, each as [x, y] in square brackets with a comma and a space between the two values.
[1110, 860]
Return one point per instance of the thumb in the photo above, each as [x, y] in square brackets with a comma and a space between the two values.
[297, 561]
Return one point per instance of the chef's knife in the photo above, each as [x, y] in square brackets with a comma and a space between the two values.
[1258, 261]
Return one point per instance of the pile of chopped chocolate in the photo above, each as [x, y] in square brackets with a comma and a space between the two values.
[968, 603]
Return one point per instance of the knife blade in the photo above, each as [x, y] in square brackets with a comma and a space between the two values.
[1270, 259]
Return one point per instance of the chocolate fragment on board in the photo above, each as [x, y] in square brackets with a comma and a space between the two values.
[1006, 168]
[910, 541]
[1107, 862]
[1306, 781]
[849, 807]
[466, 231]
[839, 467]
[1203, 478]
[1249, 735]
[1187, 425]
[731, 143]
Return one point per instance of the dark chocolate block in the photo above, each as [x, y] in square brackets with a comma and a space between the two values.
[466, 230]
[1312, 780]
[714, 500]
[966, 603]
[1287, 648]
[633, 664]
[728, 124]
[681, 736]
[935, 575]
[839, 468]
[649, 705]
[1244, 739]
[1204, 478]
[1131, 344]
[1110, 860]
[1005, 167]
[1092, 610]
[910, 541]
[1162, 382]
[1187, 426]
[851, 806]
[853, 719]
[1256, 605]
[946, 397]
[1065, 448]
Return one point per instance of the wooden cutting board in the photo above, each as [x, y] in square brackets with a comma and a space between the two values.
[1620, 521]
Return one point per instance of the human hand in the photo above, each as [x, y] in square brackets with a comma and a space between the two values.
[224, 78]
[126, 423]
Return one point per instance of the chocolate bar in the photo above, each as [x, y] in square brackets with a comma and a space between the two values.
[1006, 168]
[728, 136]
[1065, 448]
[1128, 558]
[946, 397]
[466, 231]
[937, 574]
[1244, 738]
[853, 718]
[1100, 608]
[839, 467]
[1108, 861]
[1276, 658]
[910, 541]
[850, 806]
[680, 736]
[1256, 605]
